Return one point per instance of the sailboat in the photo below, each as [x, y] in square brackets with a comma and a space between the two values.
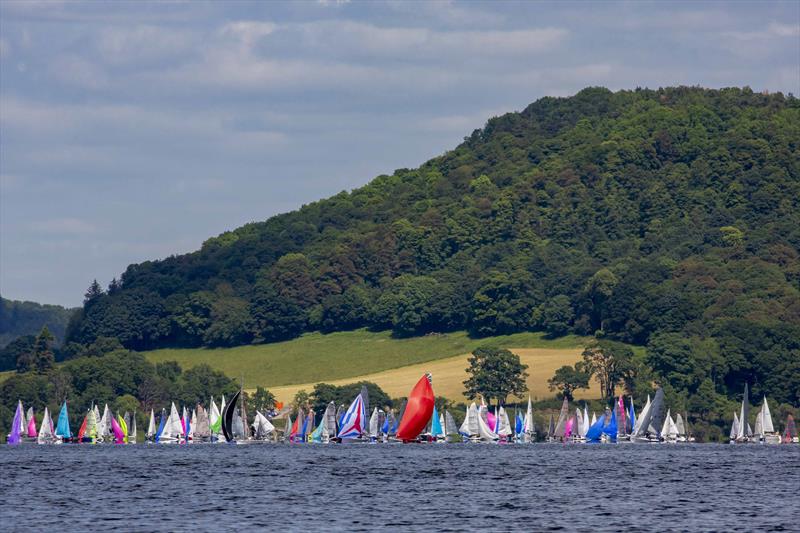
[63, 432]
[103, 425]
[734, 429]
[681, 427]
[485, 432]
[353, 423]
[201, 428]
[450, 426]
[790, 432]
[503, 425]
[745, 432]
[17, 425]
[46, 434]
[765, 431]
[649, 419]
[215, 420]
[150, 434]
[561, 425]
[437, 433]
[171, 430]
[262, 427]
[227, 417]
[669, 430]
[31, 422]
[469, 427]
[528, 428]
[419, 409]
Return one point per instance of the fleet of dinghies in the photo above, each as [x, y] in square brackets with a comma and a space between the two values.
[418, 420]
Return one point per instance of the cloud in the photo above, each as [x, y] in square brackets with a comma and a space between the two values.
[64, 226]
[79, 72]
[121, 45]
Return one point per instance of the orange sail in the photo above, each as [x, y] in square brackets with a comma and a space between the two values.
[418, 410]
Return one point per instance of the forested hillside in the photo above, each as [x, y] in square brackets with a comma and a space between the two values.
[27, 318]
[662, 217]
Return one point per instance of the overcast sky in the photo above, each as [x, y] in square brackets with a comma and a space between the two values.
[133, 131]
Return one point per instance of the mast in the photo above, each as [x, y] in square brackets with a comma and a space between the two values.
[246, 432]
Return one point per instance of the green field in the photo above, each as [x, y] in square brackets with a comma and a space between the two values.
[315, 357]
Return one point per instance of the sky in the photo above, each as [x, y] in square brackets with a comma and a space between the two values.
[131, 131]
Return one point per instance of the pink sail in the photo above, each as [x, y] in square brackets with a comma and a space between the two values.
[32, 427]
[119, 435]
[621, 421]
[491, 420]
[568, 428]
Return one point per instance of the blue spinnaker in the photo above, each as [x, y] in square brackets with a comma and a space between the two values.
[436, 426]
[596, 429]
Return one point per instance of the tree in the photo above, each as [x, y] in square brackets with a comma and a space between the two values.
[608, 362]
[43, 357]
[263, 400]
[556, 315]
[19, 347]
[94, 292]
[599, 289]
[495, 374]
[301, 399]
[568, 379]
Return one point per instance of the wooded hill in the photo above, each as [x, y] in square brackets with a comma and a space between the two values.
[665, 217]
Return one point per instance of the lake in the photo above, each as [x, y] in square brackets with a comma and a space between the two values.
[402, 487]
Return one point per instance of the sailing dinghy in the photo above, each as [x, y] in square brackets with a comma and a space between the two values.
[419, 410]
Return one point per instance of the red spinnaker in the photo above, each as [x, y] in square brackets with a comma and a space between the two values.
[418, 410]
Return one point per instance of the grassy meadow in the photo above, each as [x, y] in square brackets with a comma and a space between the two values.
[395, 364]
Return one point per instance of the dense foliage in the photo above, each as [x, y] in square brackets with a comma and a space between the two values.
[669, 217]
[18, 319]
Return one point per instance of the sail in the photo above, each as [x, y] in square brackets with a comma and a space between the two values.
[491, 420]
[91, 424]
[419, 409]
[162, 422]
[465, 425]
[791, 428]
[596, 429]
[562, 419]
[551, 427]
[353, 420]
[45, 430]
[16, 425]
[758, 430]
[744, 416]
[503, 425]
[296, 433]
[119, 435]
[151, 426]
[214, 419]
[104, 426]
[374, 423]
[330, 421]
[174, 429]
[767, 416]
[450, 427]
[586, 423]
[26, 419]
[681, 429]
[227, 417]
[123, 426]
[734, 427]
[568, 427]
[528, 422]
[365, 396]
[577, 426]
[31, 424]
[82, 429]
[484, 432]
[287, 428]
[262, 427]
[436, 424]
[632, 417]
[237, 428]
[202, 427]
[637, 426]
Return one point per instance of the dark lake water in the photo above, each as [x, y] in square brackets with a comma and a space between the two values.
[402, 487]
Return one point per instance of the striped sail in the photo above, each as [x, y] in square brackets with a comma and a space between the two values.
[353, 420]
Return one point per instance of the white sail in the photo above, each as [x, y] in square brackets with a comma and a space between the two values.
[759, 430]
[503, 424]
[151, 426]
[262, 427]
[213, 413]
[483, 430]
[528, 422]
[172, 428]
[442, 424]
[679, 426]
[586, 423]
[644, 415]
[734, 427]
[192, 425]
[465, 429]
[46, 430]
[594, 419]
[26, 419]
[373, 423]
[104, 426]
[450, 427]
[766, 424]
